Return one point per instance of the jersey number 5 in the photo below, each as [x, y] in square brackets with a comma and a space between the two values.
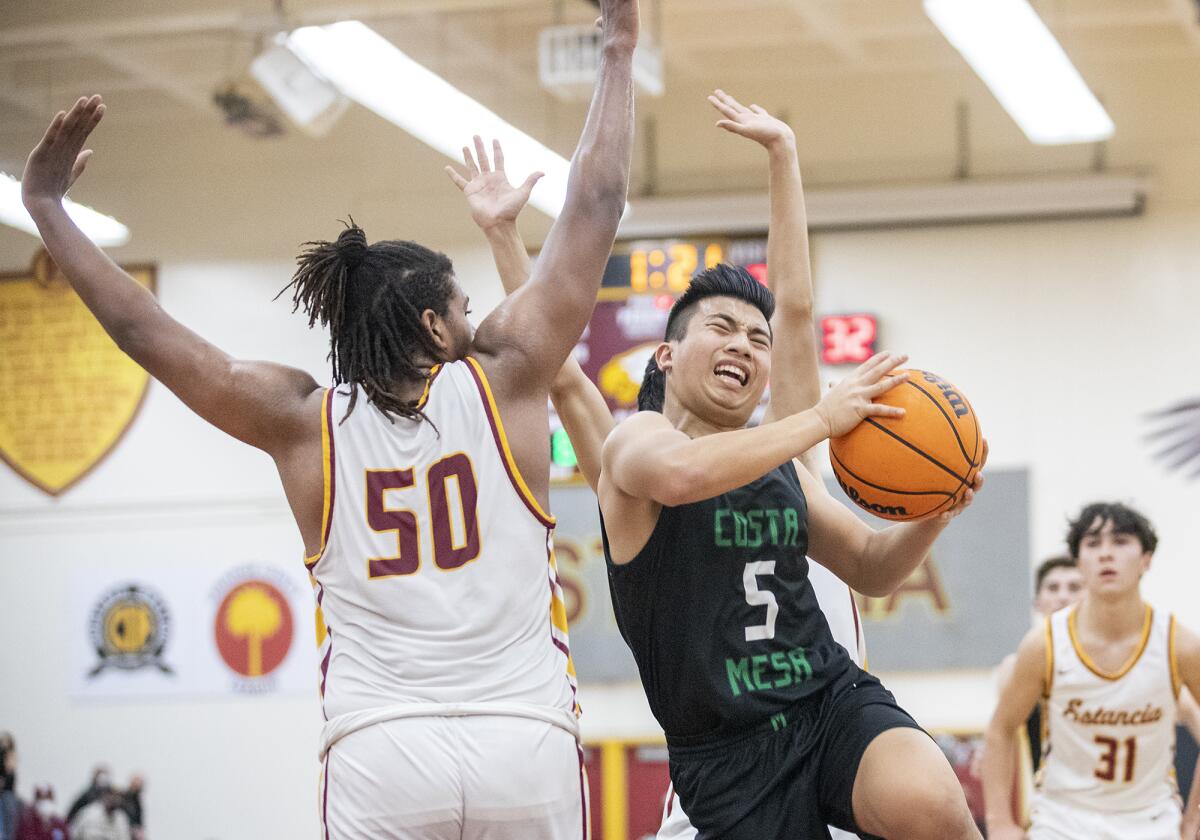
[756, 597]
[447, 553]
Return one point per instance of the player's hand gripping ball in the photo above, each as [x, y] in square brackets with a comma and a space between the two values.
[916, 466]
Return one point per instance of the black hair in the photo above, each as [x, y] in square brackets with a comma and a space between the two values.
[1124, 519]
[1048, 566]
[722, 280]
[371, 297]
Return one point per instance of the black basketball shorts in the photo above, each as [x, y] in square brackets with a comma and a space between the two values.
[792, 776]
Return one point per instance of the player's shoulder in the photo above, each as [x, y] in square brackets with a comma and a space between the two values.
[1035, 647]
[1186, 642]
[637, 426]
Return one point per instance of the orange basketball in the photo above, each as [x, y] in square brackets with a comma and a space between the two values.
[915, 466]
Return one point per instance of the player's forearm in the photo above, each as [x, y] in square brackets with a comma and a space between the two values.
[787, 242]
[894, 553]
[999, 769]
[509, 253]
[795, 376]
[599, 179]
[585, 416]
[120, 304]
[707, 466]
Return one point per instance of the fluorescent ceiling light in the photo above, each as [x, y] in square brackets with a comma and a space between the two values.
[103, 230]
[903, 205]
[371, 71]
[1010, 48]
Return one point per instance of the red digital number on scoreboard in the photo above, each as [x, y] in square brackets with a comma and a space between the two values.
[848, 339]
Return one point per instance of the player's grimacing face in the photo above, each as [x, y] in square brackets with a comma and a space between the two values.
[1060, 588]
[723, 361]
[1110, 561]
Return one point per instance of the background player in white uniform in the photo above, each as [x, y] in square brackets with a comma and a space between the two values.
[1109, 671]
[495, 205]
[424, 525]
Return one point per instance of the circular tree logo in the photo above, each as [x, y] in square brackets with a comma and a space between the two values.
[254, 628]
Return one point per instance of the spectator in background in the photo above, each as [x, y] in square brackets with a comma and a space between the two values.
[10, 806]
[132, 805]
[42, 821]
[103, 819]
[101, 780]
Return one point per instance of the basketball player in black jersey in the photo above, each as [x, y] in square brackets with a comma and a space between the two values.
[772, 731]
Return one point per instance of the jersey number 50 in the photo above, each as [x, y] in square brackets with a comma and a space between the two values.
[447, 553]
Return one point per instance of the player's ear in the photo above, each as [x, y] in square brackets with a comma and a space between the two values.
[437, 330]
[664, 356]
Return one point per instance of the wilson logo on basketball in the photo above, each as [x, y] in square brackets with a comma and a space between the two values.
[254, 628]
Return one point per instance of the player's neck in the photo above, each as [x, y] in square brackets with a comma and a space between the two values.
[690, 423]
[1113, 618]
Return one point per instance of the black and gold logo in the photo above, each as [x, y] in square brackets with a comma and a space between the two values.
[129, 629]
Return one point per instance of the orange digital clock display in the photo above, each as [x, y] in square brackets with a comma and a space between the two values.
[670, 268]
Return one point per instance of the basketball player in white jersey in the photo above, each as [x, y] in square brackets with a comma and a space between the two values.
[419, 484]
[1109, 671]
[495, 205]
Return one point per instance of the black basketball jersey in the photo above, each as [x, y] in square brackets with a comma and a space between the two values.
[719, 612]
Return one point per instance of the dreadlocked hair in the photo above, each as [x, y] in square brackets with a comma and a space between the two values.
[371, 298]
[721, 280]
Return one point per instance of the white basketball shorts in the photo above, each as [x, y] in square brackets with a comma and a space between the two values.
[479, 777]
[1051, 820]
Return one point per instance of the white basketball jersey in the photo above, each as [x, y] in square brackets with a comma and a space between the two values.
[1111, 736]
[436, 583]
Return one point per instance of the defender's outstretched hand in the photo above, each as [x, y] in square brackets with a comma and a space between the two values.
[753, 122]
[851, 401]
[492, 199]
[59, 158]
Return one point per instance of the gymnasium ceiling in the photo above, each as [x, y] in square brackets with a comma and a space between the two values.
[870, 86]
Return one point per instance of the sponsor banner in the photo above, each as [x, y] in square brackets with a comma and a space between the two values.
[189, 628]
[967, 607]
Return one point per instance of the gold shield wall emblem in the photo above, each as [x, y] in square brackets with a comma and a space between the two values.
[69, 394]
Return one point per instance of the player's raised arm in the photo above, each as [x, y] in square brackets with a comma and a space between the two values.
[795, 376]
[648, 458]
[533, 331]
[495, 205]
[259, 403]
[1017, 698]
